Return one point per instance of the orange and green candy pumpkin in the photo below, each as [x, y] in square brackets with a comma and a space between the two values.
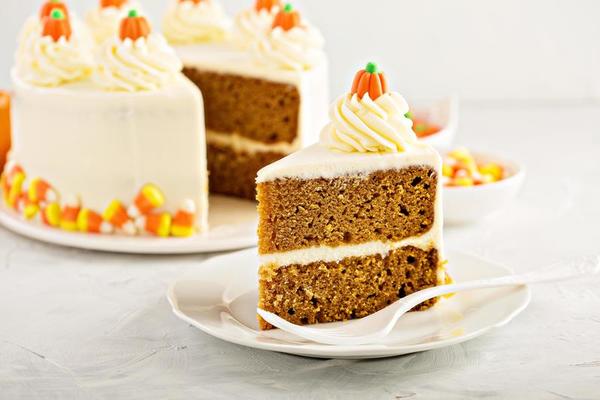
[57, 25]
[112, 3]
[134, 27]
[50, 5]
[287, 18]
[369, 80]
[266, 4]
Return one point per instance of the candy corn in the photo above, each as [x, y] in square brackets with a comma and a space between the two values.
[183, 222]
[69, 213]
[149, 198]
[40, 191]
[116, 215]
[461, 169]
[27, 208]
[155, 224]
[89, 221]
[15, 178]
[51, 215]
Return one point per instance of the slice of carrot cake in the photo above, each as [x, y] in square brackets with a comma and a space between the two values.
[353, 223]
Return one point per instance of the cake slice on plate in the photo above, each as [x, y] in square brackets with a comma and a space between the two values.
[351, 224]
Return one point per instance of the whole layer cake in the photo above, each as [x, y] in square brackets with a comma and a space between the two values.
[264, 81]
[351, 224]
[112, 143]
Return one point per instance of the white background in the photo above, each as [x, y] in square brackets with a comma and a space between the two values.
[480, 49]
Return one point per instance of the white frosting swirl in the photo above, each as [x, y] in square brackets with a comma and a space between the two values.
[104, 22]
[189, 23]
[146, 64]
[365, 125]
[33, 29]
[300, 48]
[41, 61]
[252, 26]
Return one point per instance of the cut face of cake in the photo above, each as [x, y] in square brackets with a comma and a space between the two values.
[353, 223]
[113, 144]
[264, 84]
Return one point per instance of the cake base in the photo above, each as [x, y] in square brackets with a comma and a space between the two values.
[352, 288]
[233, 173]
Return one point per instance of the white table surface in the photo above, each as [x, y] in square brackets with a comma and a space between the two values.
[84, 325]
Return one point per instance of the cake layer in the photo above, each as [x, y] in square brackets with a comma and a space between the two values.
[257, 109]
[351, 288]
[102, 146]
[385, 206]
[233, 172]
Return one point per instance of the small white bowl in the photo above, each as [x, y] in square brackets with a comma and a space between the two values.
[472, 203]
[443, 113]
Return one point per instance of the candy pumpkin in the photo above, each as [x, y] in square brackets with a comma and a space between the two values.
[4, 126]
[57, 25]
[287, 18]
[50, 5]
[267, 4]
[369, 80]
[112, 3]
[134, 27]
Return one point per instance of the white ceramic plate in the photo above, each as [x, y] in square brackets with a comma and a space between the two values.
[220, 299]
[232, 226]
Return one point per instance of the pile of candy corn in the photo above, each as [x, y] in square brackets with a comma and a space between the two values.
[461, 169]
[37, 200]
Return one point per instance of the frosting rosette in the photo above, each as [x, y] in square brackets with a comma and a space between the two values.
[103, 22]
[190, 22]
[300, 48]
[366, 125]
[147, 63]
[291, 43]
[253, 25]
[369, 119]
[42, 60]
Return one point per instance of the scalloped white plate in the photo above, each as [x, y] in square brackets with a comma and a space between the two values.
[220, 299]
[232, 226]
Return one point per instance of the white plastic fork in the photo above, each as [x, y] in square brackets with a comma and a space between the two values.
[376, 326]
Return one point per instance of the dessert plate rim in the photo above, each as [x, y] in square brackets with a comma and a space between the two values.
[277, 341]
[222, 236]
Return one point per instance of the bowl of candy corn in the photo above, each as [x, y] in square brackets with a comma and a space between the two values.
[477, 184]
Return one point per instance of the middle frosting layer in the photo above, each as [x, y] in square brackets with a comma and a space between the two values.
[145, 64]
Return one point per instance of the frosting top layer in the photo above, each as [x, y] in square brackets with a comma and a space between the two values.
[366, 125]
[189, 22]
[147, 63]
[318, 161]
